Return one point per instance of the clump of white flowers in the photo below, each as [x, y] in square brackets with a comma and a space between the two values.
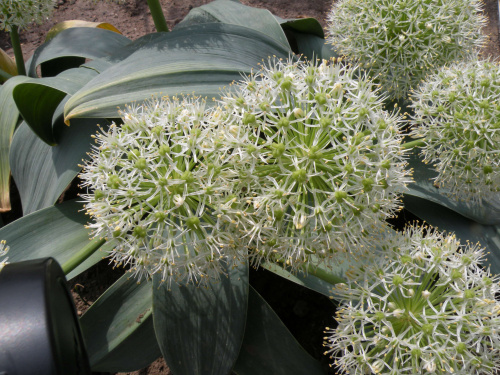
[4, 249]
[430, 308]
[314, 162]
[400, 41]
[149, 195]
[20, 13]
[300, 163]
[457, 111]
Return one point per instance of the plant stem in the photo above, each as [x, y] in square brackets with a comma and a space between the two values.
[413, 144]
[4, 76]
[158, 16]
[82, 255]
[324, 275]
[18, 52]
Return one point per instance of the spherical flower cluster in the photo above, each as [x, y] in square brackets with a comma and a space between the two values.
[457, 111]
[314, 162]
[430, 308]
[148, 194]
[400, 41]
[20, 13]
[3, 251]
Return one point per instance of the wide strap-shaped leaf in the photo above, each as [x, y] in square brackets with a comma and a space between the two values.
[61, 26]
[302, 25]
[38, 98]
[464, 228]
[199, 59]
[118, 328]
[85, 42]
[232, 12]
[488, 213]
[309, 281]
[57, 232]
[311, 46]
[43, 172]
[200, 329]
[9, 116]
[268, 347]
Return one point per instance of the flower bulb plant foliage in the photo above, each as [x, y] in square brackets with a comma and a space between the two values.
[457, 114]
[429, 307]
[400, 41]
[296, 168]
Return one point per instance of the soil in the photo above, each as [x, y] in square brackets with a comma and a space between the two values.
[133, 19]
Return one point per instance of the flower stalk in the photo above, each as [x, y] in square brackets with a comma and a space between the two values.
[158, 16]
[18, 52]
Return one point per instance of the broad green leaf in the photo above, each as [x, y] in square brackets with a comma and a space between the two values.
[85, 42]
[54, 67]
[309, 281]
[118, 328]
[7, 64]
[488, 213]
[57, 232]
[465, 229]
[268, 347]
[200, 329]
[56, 29]
[38, 98]
[302, 25]
[232, 12]
[199, 59]
[9, 116]
[306, 37]
[312, 46]
[43, 172]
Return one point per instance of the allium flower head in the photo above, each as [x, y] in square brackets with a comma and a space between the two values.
[314, 162]
[400, 41]
[149, 195]
[21, 13]
[430, 308]
[3, 251]
[457, 111]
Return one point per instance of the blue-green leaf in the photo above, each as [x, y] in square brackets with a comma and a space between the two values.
[43, 172]
[302, 25]
[309, 281]
[9, 116]
[268, 347]
[57, 232]
[197, 59]
[313, 47]
[118, 328]
[200, 329]
[38, 98]
[232, 12]
[83, 42]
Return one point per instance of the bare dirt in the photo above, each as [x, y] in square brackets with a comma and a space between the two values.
[133, 19]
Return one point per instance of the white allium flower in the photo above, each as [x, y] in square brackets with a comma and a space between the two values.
[21, 13]
[3, 251]
[314, 162]
[148, 193]
[450, 325]
[401, 41]
[457, 111]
